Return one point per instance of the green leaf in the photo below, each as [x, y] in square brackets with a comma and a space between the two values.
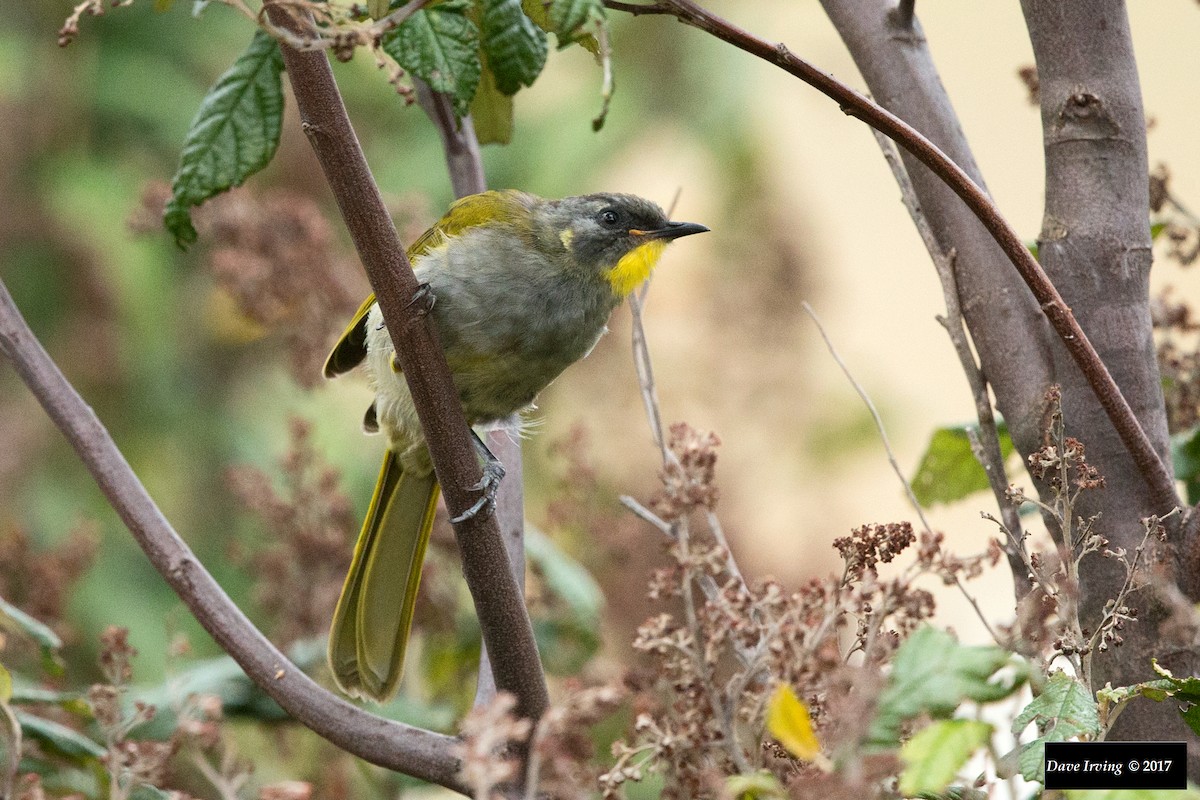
[10, 737]
[234, 134]
[564, 576]
[492, 112]
[1064, 704]
[571, 21]
[933, 674]
[60, 740]
[568, 635]
[934, 756]
[1157, 228]
[1132, 794]
[1185, 451]
[1063, 711]
[949, 470]
[440, 45]
[1183, 690]
[515, 47]
[760, 785]
[15, 620]
[144, 791]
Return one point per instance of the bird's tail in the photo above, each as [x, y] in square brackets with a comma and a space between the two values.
[370, 628]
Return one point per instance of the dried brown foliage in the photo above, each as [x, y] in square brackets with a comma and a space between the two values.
[1178, 351]
[275, 257]
[40, 581]
[1050, 622]
[722, 646]
[311, 524]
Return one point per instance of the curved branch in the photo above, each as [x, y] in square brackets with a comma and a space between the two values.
[499, 601]
[394, 745]
[1134, 438]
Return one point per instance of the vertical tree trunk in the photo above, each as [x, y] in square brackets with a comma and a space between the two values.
[1095, 245]
[1009, 332]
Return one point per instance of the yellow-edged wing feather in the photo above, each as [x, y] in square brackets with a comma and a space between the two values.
[369, 635]
[472, 210]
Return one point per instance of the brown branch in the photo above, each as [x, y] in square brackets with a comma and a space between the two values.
[465, 166]
[499, 601]
[1152, 468]
[393, 745]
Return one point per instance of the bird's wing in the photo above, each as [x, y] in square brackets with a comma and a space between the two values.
[470, 211]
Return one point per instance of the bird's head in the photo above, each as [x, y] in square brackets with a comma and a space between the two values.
[617, 236]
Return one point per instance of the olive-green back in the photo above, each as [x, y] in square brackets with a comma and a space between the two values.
[470, 211]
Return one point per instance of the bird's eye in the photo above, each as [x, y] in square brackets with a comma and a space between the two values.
[609, 217]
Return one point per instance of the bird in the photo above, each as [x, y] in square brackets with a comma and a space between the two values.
[522, 287]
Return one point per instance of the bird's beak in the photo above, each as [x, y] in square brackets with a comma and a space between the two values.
[672, 230]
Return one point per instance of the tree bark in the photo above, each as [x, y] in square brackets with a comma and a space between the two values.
[1095, 245]
[1009, 331]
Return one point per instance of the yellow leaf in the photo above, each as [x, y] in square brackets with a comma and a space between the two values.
[789, 722]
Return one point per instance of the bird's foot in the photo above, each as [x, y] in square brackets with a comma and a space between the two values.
[423, 299]
[489, 484]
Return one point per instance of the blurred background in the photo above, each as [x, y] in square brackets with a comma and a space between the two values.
[201, 363]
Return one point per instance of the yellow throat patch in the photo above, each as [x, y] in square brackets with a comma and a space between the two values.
[635, 266]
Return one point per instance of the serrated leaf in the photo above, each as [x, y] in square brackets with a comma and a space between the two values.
[934, 756]
[1065, 706]
[515, 48]
[1184, 690]
[234, 134]
[789, 722]
[1063, 711]
[949, 470]
[1032, 760]
[60, 740]
[569, 20]
[491, 112]
[933, 674]
[440, 45]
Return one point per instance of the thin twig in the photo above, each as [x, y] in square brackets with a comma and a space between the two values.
[887, 445]
[988, 453]
[1115, 406]
[645, 372]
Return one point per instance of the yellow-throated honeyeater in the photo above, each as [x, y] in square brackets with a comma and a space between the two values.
[523, 287]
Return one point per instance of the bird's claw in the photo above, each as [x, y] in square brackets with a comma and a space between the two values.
[489, 484]
[423, 299]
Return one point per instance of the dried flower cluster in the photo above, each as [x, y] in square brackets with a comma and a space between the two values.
[130, 762]
[276, 259]
[311, 524]
[1178, 351]
[688, 479]
[1181, 228]
[39, 582]
[561, 756]
[1052, 613]
[719, 652]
